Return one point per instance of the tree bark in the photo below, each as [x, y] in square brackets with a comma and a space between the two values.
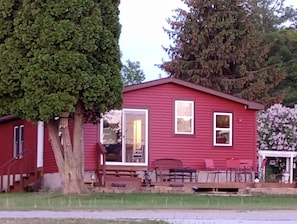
[69, 154]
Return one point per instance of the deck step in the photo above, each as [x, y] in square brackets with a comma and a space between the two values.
[114, 181]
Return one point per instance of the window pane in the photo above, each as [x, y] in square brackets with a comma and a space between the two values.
[184, 108]
[222, 137]
[16, 134]
[112, 135]
[135, 136]
[222, 121]
[184, 125]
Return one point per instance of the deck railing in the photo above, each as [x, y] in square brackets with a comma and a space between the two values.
[16, 170]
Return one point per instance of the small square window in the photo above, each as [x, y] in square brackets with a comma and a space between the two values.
[184, 117]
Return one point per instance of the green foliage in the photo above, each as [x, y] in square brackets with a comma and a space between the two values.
[273, 14]
[218, 44]
[291, 68]
[277, 21]
[284, 52]
[56, 53]
[132, 73]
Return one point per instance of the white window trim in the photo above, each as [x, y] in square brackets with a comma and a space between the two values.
[230, 129]
[18, 147]
[188, 117]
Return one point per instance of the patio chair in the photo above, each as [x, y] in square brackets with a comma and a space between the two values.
[233, 169]
[211, 169]
[247, 168]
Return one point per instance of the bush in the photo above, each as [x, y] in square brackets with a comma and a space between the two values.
[277, 128]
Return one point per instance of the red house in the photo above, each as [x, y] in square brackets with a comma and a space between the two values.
[165, 118]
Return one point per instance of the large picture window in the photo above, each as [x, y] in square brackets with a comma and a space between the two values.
[18, 141]
[184, 117]
[222, 129]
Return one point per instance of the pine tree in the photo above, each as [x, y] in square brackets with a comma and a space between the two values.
[217, 44]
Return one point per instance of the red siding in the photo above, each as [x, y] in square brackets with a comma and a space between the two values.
[159, 100]
[30, 137]
[91, 138]
[49, 162]
[6, 138]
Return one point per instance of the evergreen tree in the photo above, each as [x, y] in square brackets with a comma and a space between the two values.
[218, 44]
[60, 59]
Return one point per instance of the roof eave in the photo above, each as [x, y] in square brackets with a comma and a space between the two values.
[249, 104]
[7, 118]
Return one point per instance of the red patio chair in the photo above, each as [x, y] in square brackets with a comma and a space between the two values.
[247, 168]
[211, 169]
[233, 168]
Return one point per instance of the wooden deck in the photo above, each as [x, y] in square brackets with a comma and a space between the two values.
[135, 184]
[234, 187]
[133, 179]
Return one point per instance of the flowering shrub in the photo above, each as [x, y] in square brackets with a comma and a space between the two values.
[277, 128]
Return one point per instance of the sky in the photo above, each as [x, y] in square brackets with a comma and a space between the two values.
[142, 34]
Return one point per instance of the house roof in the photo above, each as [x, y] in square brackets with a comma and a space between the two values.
[7, 118]
[248, 104]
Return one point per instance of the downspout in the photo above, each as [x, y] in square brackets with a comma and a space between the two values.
[40, 143]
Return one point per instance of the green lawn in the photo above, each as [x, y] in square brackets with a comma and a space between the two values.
[76, 221]
[142, 201]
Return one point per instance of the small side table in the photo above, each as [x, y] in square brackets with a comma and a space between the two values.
[183, 173]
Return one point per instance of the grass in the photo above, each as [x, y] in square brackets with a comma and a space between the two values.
[77, 221]
[138, 201]
[143, 201]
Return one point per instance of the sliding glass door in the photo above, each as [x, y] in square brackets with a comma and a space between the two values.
[125, 135]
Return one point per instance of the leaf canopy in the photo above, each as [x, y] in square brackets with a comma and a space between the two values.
[55, 53]
[132, 73]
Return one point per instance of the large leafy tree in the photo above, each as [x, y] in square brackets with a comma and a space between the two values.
[284, 52]
[60, 59]
[291, 66]
[132, 73]
[273, 14]
[218, 44]
[276, 23]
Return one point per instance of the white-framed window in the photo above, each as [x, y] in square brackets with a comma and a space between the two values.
[184, 117]
[222, 130]
[18, 141]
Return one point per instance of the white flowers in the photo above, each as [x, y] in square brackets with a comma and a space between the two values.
[277, 128]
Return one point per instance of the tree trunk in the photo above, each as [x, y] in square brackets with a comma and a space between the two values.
[69, 154]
